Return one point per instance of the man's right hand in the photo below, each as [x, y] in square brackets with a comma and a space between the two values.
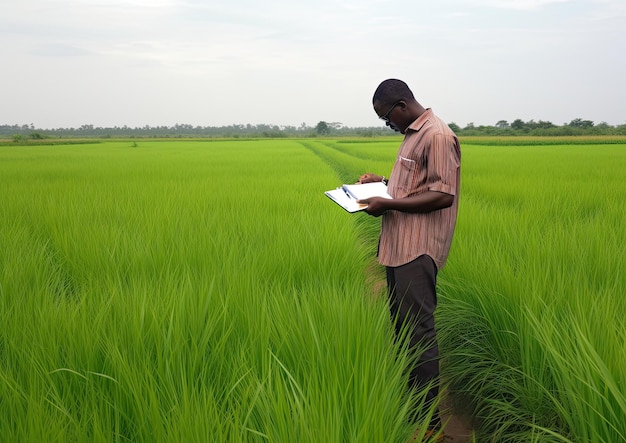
[370, 178]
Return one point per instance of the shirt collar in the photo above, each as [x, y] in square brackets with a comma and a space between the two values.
[419, 122]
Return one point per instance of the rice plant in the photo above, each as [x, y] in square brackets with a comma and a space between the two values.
[533, 294]
[202, 291]
[208, 291]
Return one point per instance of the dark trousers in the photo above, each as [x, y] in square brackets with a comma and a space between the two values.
[412, 301]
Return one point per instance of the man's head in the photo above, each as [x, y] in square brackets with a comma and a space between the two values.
[395, 104]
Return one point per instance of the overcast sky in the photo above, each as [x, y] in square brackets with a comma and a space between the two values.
[66, 63]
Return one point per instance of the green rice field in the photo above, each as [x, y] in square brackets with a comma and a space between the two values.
[208, 291]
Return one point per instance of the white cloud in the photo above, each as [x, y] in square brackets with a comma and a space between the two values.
[524, 5]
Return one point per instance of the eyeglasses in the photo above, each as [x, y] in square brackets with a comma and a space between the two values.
[386, 116]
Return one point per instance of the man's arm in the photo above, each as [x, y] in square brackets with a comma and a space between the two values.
[421, 203]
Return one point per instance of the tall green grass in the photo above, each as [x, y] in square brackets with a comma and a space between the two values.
[533, 304]
[208, 291]
[189, 292]
[530, 140]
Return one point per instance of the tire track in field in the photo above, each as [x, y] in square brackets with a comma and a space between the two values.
[341, 162]
[347, 168]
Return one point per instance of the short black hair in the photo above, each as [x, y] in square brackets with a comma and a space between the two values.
[392, 91]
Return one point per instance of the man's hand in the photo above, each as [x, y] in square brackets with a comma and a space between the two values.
[370, 178]
[376, 206]
[421, 203]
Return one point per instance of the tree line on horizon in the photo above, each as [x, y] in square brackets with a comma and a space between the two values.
[518, 127]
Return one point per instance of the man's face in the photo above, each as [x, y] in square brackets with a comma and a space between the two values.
[386, 113]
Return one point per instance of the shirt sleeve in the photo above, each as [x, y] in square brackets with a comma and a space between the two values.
[443, 164]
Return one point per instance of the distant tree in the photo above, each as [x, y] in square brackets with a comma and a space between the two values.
[580, 123]
[19, 133]
[455, 128]
[532, 124]
[604, 126]
[322, 128]
[518, 124]
[545, 124]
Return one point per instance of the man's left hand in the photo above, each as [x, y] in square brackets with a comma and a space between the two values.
[376, 206]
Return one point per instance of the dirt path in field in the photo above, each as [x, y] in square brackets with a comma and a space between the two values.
[458, 425]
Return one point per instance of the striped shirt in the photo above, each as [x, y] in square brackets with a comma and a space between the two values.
[429, 159]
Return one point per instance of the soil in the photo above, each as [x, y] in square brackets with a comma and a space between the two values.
[457, 424]
[458, 428]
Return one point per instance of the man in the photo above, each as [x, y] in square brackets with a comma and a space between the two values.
[418, 223]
